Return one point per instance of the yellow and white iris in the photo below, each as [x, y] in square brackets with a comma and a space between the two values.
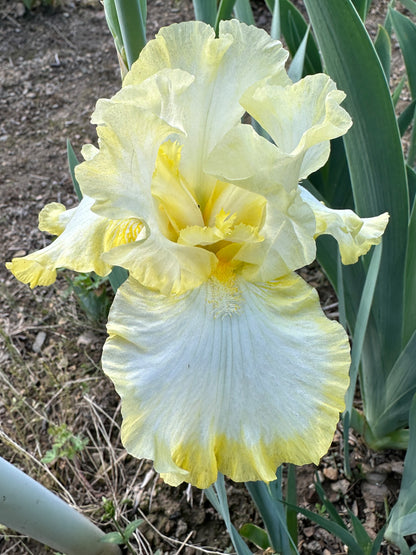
[220, 352]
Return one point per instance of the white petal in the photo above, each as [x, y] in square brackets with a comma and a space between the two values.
[231, 377]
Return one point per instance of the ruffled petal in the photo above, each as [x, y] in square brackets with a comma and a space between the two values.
[79, 246]
[162, 265]
[232, 377]
[301, 118]
[355, 235]
[118, 177]
[224, 68]
[247, 160]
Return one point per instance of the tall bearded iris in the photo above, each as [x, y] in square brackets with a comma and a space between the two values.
[220, 352]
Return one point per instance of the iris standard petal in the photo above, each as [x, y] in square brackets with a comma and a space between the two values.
[232, 377]
[249, 161]
[301, 118]
[355, 235]
[223, 67]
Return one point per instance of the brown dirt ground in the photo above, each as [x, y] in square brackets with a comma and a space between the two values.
[54, 66]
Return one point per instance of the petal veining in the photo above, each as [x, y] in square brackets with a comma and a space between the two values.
[256, 376]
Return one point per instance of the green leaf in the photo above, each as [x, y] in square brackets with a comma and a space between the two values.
[362, 7]
[382, 44]
[411, 179]
[205, 10]
[243, 12]
[333, 528]
[275, 29]
[72, 163]
[113, 537]
[378, 178]
[411, 155]
[398, 90]
[132, 527]
[225, 11]
[218, 498]
[361, 324]
[132, 21]
[410, 5]
[267, 498]
[296, 67]
[117, 277]
[293, 28]
[409, 320]
[330, 508]
[256, 535]
[114, 26]
[291, 497]
[406, 117]
[400, 388]
[360, 533]
[402, 521]
[406, 33]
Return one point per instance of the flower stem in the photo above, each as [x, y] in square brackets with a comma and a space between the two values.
[29, 508]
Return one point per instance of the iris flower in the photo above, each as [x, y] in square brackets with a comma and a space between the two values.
[220, 351]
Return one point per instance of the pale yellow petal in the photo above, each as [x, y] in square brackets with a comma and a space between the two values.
[231, 377]
[224, 68]
[162, 265]
[355, 235]
[301, 118]
[79, 246]
[247, 160]
[53, 218]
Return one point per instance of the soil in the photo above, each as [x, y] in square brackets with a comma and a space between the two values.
[55, 64]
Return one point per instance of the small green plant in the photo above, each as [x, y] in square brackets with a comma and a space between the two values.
[65, 444]
[92, 295]
[121, 536]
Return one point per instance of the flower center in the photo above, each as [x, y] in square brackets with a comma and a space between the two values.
[121, 232]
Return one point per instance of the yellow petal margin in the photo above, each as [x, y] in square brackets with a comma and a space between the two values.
[232, 377]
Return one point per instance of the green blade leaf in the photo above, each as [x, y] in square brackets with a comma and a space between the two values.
[72, 163]
[360, 533]
[293, 27]
[402, 520]
[382, 44]
[333, 528]
[256, 535]
[243, 12]
[117, 277]
[406, 117]
[409, 320]
[361, 323]
[218, 498]
[377, 170]
[296, 67]
[400, 388]
[406, 33]
[291, 497]
[225, 11]
[205, 10]
[132, 22]
[268, 501]
[410, 5]
[113, 537]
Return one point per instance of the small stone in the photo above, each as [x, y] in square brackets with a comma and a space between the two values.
[38, 342]
[309, 531]
[341, 486]
[331, 473]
